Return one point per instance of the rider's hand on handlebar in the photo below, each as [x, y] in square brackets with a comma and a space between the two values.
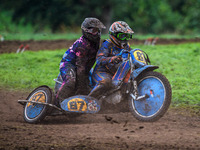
[116, 59]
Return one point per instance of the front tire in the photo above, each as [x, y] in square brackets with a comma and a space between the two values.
[34, 113]
[158, 88]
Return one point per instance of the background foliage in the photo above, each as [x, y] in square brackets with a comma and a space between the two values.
[152, 16]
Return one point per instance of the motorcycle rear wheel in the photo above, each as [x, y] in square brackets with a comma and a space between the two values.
[158, 88]
[35, 113]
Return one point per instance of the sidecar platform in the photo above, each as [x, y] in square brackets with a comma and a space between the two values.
[81, 104]
[78, 104]
[23, 102]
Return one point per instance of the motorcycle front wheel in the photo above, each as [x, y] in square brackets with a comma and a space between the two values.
[33, 112]
[158, 89]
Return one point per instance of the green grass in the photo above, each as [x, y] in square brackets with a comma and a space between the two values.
[40, 36]
[29, 69]
[179, 63]
[165, 36]
[68, 35]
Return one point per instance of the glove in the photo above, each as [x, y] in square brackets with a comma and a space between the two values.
[116, 59]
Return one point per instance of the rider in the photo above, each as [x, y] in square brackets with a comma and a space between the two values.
[78, 59]
[107, 59]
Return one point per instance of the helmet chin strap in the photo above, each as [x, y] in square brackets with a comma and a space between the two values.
[120, 43]
[90, 37]
[124, 44]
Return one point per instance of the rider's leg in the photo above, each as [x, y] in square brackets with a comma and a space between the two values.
[104, 82]
[67, 88]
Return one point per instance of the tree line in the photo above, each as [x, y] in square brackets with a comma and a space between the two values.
[144, 16]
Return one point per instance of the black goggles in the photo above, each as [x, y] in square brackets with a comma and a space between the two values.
[94, 31]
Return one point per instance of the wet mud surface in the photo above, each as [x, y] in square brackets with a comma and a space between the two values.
[12, 46]
[111, 128]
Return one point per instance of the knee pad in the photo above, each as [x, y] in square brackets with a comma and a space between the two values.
[107, 82]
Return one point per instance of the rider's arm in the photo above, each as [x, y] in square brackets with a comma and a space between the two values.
[103, 54]
[68, 59]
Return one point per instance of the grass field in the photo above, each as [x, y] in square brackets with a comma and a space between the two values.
[71, 36]
[180, 64]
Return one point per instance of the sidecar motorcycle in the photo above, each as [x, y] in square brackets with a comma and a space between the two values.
[148, 93]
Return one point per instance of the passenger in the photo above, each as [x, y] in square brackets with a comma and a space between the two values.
[78, 59]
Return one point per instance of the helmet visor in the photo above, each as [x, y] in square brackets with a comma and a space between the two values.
[124, 36]
[92, 30]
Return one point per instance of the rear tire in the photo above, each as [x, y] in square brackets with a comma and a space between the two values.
[158, 88]
[35, 113]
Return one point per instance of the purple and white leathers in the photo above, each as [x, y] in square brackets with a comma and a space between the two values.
[78, 60]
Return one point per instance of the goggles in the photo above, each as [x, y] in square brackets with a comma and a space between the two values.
[122, 36]
[93, 31]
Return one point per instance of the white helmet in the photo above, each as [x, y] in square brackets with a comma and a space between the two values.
[120, 33]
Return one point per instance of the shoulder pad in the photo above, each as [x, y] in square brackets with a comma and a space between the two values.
[108, 40]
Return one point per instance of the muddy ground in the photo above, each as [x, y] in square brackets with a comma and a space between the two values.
[12, 46]
[112, 128]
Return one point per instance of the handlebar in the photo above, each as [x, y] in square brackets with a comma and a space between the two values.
[123, 51]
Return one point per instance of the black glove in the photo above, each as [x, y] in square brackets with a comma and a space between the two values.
[116, 59]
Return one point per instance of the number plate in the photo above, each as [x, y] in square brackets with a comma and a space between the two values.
[38, 97]
[77, 104]
[139, 56]
[81, 104]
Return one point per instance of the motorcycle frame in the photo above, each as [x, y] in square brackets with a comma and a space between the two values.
[136, 68]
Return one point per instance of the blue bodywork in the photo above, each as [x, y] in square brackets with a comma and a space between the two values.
[81, 104]
[121, 73]
[124, 68]
[137, 71]
[140, 66]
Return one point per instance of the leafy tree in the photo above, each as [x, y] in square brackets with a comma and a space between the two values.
[191, 16]
[143, 16]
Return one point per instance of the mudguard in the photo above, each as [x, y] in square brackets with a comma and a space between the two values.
[136, 72]
[81, 104]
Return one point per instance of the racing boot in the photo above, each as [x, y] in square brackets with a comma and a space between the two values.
[97, 91]
[101, 87]
[66, 90]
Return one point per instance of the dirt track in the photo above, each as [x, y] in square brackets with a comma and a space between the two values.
[178, 129]
[12, 46]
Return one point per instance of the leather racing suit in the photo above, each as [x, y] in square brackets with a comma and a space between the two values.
[75, 66]
[105, 68]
